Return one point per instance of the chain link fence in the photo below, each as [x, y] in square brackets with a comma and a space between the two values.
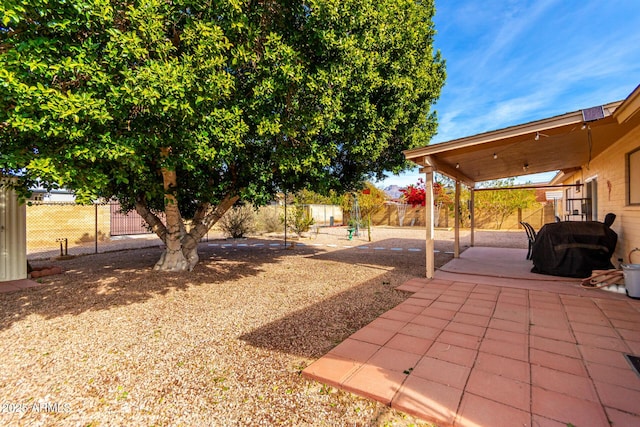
[57, 229]
[65, 228]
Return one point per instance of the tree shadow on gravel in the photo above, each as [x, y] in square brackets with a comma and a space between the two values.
[314, 330]
[108, 280]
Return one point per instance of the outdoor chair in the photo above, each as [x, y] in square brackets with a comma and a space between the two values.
[531, 235]
[609, 218]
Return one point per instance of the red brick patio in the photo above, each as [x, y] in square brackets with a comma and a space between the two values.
[469, 348]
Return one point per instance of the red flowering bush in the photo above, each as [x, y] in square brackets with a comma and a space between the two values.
[415, 194]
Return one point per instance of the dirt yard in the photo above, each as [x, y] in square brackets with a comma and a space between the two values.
[111, 342]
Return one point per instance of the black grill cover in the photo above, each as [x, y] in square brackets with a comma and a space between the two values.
[573, 249]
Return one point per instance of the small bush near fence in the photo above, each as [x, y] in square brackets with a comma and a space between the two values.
[238, 221]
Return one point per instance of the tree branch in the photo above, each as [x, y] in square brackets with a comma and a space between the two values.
[191, 239]
[152, 219]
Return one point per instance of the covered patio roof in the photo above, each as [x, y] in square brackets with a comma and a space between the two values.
[561, 143]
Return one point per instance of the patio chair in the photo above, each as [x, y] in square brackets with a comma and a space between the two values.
[609, 218]
[531, 235]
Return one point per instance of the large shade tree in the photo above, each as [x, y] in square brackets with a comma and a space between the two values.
[188, 106]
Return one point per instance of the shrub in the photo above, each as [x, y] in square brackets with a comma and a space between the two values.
[298, 220]
[238, 221]
[268, 219]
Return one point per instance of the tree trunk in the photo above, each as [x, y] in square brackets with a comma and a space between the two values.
[172, 259]
[181, 253]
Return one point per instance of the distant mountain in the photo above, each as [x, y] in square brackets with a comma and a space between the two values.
[393, 191]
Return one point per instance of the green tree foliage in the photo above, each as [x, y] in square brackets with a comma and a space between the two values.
[308, 197]
[189, 106]
[500, 204]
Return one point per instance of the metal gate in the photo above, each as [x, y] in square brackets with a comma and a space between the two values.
[130, 223]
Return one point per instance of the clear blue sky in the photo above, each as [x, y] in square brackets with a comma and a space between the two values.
[516, 61]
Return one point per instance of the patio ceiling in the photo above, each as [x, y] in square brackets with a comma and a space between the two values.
[562, 143]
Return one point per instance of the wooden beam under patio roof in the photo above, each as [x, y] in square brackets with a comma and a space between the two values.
[558, 143]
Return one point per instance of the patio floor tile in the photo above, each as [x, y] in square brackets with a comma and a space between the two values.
[463, 328]
[624, 377]
[434, 322]
[512, 312]
[477, 411]
[624, 323]
[614, 396]
[479, 302]
[603, 356]
[443, 305]
[411, 344]
[600, 341]
[456, 299]
[594, 317]
[506, 336]
[476, 309]
[462, 340]
[500, 389]
[373, 335]
[573, 385]
[429, 400]
[567, 409]
[539, 421]
[394, 360]
[452, 353]
[359, 351]
[482, 296]
[503, 366]
[399, 315]
[634, 346]
[387, 324]
[420, 331]
[515, 300]
[605, 331]
[553, 333]
[443, 372]
[548, 318]
[555, 346]
[619, 418]
[472, 319]
[374, 382]
[332, 369]
[439, 313]
[558, 362]
[507, 349]
[408, 307]
[508, 325]
[630, 335]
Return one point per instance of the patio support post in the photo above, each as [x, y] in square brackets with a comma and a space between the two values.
[472, 214]
[428, 201]
[456, 239]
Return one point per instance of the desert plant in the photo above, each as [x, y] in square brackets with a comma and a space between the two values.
[298, 219]
[268, 219]
[238, 221]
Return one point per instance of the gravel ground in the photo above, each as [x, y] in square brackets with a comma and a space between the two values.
[112, 342]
